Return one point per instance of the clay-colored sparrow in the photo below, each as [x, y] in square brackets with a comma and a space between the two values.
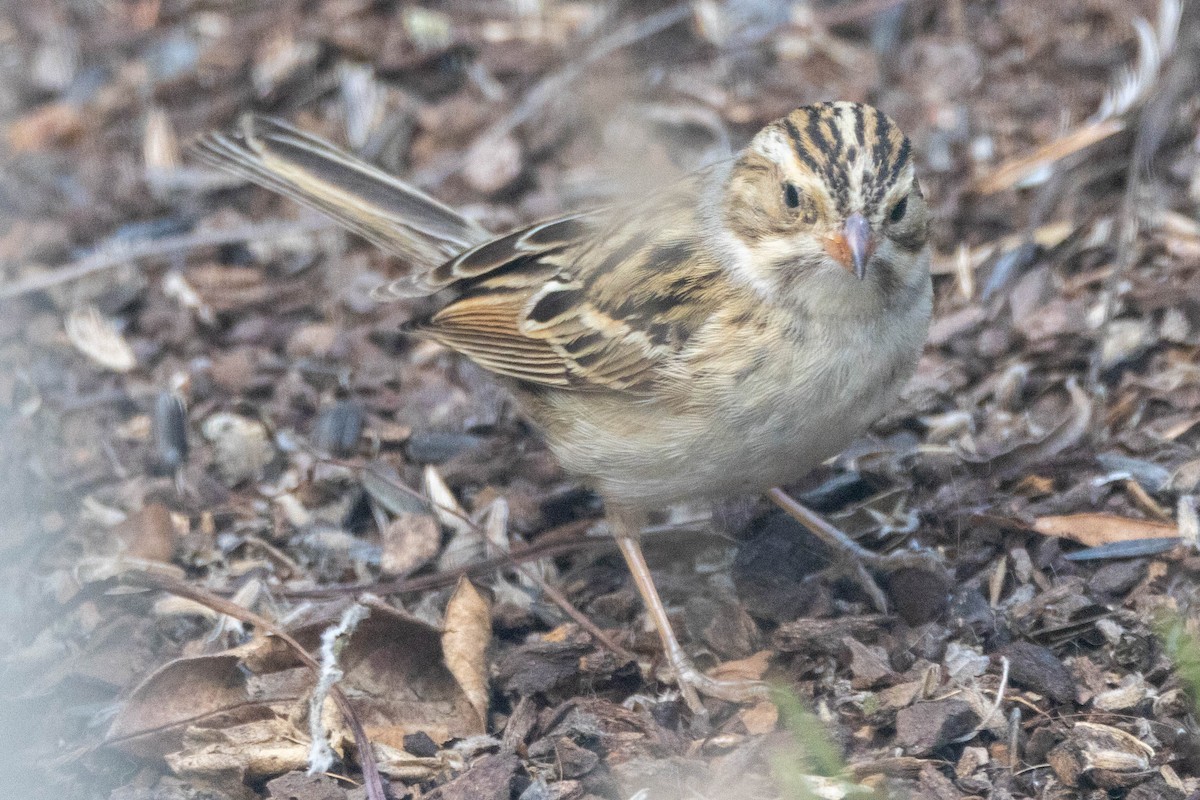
[723, 336]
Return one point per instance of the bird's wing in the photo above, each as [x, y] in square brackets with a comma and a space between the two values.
[601, 301]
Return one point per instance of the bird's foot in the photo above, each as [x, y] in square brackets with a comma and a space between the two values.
[693, 681]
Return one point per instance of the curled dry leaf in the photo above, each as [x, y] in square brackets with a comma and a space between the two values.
[99, 340]
[223, 712]
[401, 765]
[1015, 458]
[1094, 530]
[202, 691]
[1109, 757]
[465, 544]
[252, 750]
[399, 682]
[467, 633]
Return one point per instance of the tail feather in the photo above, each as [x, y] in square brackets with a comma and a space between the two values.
[383, 209]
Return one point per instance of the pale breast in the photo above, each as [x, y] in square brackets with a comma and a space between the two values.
[757, 417]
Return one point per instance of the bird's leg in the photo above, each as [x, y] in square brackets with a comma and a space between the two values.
[692, 682]
[859, 557]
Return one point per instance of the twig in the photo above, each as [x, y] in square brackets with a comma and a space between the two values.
[1023, 168]
[506, 559]
[171, 585]
[449, 577]
[117, 254]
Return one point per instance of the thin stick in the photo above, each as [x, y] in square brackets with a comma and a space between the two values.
[507, 559]
[165, 583]
[117, 255]
[451, 576]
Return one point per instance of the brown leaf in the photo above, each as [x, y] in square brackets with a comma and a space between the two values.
[760, 718]
[1105, 754]
[410, 541]
[400, 684]
[148, 534]
[467, 633]
[1094, 530]
[99, 340]
[751, 668]
[256, 749]
[46, 126]
[202, 691]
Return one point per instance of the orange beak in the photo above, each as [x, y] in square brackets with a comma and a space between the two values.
[853, 245]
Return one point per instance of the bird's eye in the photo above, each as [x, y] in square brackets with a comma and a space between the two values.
[791, 195]
[898, 210]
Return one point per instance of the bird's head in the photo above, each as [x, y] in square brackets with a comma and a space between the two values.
[825, 201]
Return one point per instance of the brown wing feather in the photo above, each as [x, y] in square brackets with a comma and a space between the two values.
[599, 301]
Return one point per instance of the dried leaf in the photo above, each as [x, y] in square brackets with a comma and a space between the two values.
[206, 690]
[1034, 167]
[253, 750]
[46, 126]
[148, 534]
[465, 545]
[410, 541]
[751, 668]
[1093, 529]
[96, 338]
[1104, 752]
[399, 682]
[467, 633]
[760, 718]
[1066, 434]
[160, 145]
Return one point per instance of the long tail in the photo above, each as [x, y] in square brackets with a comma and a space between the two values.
[388, 212]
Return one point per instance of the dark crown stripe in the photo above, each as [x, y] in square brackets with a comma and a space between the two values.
[882, 148]
[836, 129]
[817, 135]
[799, 144]
[901, 159]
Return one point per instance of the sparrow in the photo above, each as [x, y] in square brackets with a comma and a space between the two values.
[721, 336]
